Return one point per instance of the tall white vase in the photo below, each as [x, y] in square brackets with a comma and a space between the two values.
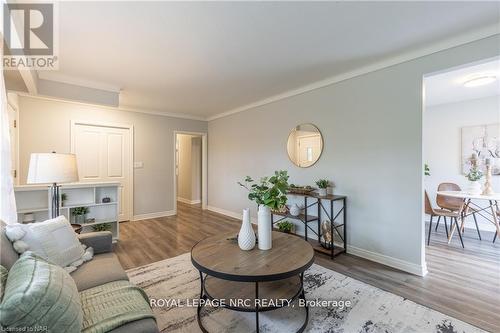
[246, 236]
[264, 228]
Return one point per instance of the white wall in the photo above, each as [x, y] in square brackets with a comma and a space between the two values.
[45, 126]
[372, 128]
[442, 143]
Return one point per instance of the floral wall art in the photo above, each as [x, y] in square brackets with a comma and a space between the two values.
[483, 140]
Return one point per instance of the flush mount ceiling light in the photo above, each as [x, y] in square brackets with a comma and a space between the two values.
[480, 81]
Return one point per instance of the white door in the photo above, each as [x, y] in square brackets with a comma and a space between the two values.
[309, 148]
[103, 154]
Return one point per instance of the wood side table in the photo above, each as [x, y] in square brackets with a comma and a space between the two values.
[227, 272]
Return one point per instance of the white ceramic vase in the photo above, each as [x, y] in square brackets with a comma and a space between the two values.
[264, 228]
[246, 236]
[474, 187]
[322, 192]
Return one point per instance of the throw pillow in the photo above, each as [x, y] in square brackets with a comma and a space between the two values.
[53, 240]
[40, 296]
[3, 279]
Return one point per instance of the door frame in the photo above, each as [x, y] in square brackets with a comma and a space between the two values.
[204, 167]
[130, 128]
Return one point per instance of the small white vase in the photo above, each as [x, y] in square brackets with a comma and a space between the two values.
[474, 187]
[246, 236]
[264, 228]
[294, 210]
[322, 192]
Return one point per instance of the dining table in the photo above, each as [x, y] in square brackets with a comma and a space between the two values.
[488, 210]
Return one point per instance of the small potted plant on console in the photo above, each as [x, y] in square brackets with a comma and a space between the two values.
[323, 187]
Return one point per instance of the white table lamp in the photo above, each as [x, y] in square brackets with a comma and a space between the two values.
[52, 168]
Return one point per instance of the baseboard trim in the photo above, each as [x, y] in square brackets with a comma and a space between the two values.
[153, 215]
[187, 201]
[420, 270]
[229, 213]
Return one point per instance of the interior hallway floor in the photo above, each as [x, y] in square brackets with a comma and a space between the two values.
[463, 283]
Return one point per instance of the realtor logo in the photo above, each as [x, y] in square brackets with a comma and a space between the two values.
[29, 36]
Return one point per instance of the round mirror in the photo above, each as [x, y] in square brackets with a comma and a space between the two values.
[305, 145]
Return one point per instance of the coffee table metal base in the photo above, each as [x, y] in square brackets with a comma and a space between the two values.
[204, 296]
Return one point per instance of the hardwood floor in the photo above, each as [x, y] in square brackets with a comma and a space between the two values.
[463, 283]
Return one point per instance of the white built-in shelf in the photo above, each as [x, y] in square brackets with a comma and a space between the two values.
[36, 199]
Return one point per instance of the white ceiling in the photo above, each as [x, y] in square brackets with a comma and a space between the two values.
[448, 87]
[205, 58]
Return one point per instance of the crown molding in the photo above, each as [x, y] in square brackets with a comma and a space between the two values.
[122, 109]
[472, 36]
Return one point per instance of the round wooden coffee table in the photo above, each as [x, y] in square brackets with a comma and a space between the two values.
[252, 281]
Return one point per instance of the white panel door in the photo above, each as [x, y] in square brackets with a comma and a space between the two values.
[103, 154]
[309, 148]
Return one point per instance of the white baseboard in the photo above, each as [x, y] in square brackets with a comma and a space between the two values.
[420, 270]
[229, 213]
[153, 215]
[187, 201]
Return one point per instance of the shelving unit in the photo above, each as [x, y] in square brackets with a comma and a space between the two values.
[337, 218]
[36, 199]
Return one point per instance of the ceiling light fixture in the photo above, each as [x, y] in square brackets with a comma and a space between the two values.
[480, 81]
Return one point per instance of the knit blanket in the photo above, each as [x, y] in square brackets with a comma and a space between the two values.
[113, 304]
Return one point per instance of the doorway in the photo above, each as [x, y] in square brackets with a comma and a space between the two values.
[190, 169]
[104, 154]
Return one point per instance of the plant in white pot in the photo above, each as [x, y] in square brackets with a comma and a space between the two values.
[269, 193]
[474, 176]
[323, 187]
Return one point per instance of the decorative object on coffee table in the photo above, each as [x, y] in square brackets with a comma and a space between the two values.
[80, 214]
[258, 275]
[488, 189]
[246, 236]
[322, 187]
[269, 193]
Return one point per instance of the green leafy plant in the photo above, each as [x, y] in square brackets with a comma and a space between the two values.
[80, 210]
[285, 226]
[102, 227]
[474, 174]
[427, 170]
[270, 191]
[323, 183]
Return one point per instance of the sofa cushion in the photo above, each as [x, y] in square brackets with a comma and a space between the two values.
[8, 255]
[138, 326]
[103, 268]
[112, 305]
[3, 280]
[42, 295]
[53, 239]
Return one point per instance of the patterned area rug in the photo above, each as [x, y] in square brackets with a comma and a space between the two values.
[372, 310]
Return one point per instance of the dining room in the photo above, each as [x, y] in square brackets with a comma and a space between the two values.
[461, 141]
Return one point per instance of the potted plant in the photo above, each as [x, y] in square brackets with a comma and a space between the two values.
[102, 227]
[474, 176]
[80, 214]
[427, 170]
[323, 187]
[64, 197]
[269, 193]
[286, 227]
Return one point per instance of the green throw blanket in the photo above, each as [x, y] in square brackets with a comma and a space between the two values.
[112, 305]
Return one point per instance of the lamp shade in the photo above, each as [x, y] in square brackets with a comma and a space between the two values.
[48, 168]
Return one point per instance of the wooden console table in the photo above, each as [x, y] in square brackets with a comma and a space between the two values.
[314, 202]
